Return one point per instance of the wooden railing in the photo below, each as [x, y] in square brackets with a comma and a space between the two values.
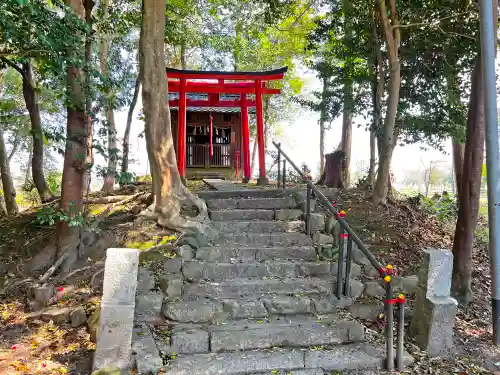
[198, 155]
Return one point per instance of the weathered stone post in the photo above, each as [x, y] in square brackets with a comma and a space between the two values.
[435, 310]
[117, 310]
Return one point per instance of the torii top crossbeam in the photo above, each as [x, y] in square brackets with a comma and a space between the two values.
[214, 83]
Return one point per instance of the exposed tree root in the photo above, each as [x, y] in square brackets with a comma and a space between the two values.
[95, 275]
[72, 273]
[56, 265]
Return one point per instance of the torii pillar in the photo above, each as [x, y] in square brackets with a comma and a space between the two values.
[262, 180]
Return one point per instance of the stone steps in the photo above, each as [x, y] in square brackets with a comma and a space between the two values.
[250, 254]
[220, 310]
[259, 226]
[256, 204]
[264, 239]
[295, 361]
[255, 214]
[195, 270]
[265, 335]
[237, 288]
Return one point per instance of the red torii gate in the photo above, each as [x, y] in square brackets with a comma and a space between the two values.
[188, 81]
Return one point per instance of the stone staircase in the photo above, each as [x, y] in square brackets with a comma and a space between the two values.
[257, 300]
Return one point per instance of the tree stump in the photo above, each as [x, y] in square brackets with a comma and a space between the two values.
[333, 174]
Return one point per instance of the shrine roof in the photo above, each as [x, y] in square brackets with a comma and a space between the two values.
[216, 74]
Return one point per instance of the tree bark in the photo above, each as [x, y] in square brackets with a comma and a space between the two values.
[389, 136]
[126, 136]
[470, 191]
[9, 191]
[377, 94]
[347, 111]
[183, 55]
[168, 190]
[254, 152]
[15, 145]
[322, 127]
[110, 176]
[458, 150]
[27, 175]
[31, 99]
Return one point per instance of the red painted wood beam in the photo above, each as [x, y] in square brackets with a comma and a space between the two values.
[260, 133]
[206, 103]
[251, 84]
[237, 76]
[245, 134]
[216, 89]
[181, 132]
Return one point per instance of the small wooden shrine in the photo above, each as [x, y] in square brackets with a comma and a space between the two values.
[210, 118]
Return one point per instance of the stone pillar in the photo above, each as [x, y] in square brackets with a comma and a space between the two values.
[113, 348]
[435, 310]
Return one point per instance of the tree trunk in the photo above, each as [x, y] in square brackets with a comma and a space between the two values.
[347, 134]
[15, 144]
[110, 176]
[89, 157]
[183, 56]
[377, 94]
[168, 190]
[9, 192]
[458, 149]
[470, 189]
[322, 127]
[389, 136]
[333, 175]
[27, 175]
[31, 99]
[126, 136]
[254, 152]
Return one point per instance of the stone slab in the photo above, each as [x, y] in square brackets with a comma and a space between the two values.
[290, 253]
[259, 226]
[435, 273]
[171, 285]
[236, 363]
[330, 304]
[285, 305]
[226, 254]
[114, 341]
[237, 287]
[265, 239]
[317, 222]
[241, 215]
[172, 265]
[374, 289]
[288, 214]
[267, 335]
[222, 204]
[267, 203]
[190, 342]
[433, 330]
[193, 311]
[147, 355]
[145, 280]
[322, 239]
[148, 306]
[245, 309]
[120, 276]
[116, 319]
[366, 310]
[347, 357]
[295, 372]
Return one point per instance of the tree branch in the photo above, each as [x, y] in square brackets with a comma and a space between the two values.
[298, 17]
[14, 66]
[432, 23]
[15, 145]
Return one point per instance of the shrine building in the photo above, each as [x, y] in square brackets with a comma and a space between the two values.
[210, 120]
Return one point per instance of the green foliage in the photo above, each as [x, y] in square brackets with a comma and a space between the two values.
[125, 178]
[445, 209]
[54, 181]
[50, 216]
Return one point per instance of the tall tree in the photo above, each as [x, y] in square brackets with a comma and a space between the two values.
[388, 138]
[9, 191]
[110, 173]
[168, 190]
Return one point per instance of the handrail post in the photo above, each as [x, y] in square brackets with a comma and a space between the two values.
[389, 334]
[279, 165]
[340, 264]
[348, 262]
[308, 211]
[284, 174]
[401, 332]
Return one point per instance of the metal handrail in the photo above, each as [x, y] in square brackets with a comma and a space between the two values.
[385, 273]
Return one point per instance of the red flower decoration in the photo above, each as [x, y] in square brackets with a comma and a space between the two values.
[334, 204]
[44, 365]
[350, 209]
[60, 289]
[13, 347]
